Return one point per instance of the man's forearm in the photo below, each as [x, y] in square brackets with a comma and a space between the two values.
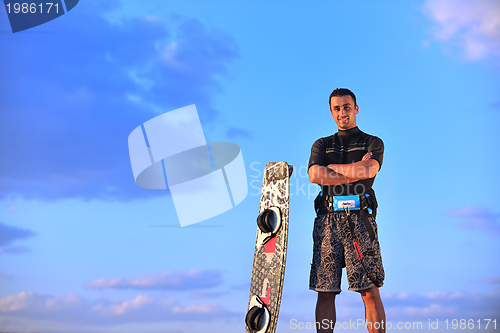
[358, 170]
[324, 176]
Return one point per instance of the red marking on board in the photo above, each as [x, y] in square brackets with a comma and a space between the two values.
[270, 246]
[358, 251]
[265, 300]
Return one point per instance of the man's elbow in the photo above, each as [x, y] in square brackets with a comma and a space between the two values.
[372, 169]
[312, 177]
[313, 174]
[372, 172]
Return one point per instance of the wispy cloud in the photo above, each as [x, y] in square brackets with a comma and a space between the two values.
[473, 26]
[208, 294]
[71, 98]
[234, 132]
[480, 218]
[74, 309]
[494, 280]
[14, 250]
[10, 234]
[443, 305]
[167, 280]
[4, 276]
[496, 105]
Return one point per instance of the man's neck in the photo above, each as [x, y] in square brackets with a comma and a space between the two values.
[352, 130]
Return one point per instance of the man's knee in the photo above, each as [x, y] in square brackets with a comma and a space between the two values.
[326, 297]
[371, 295]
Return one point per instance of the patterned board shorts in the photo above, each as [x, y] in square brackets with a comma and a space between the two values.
[333, 250]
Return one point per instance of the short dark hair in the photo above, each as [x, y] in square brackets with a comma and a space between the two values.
[341, 92]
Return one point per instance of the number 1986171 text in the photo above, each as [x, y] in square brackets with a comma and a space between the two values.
[470, 324]
[32, 8]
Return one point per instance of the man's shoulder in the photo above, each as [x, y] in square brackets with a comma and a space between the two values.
[369, 137]
[324, 142]
[327, 138]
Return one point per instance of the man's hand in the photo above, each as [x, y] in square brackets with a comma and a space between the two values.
[367, 156]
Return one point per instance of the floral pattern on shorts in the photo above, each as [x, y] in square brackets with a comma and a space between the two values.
[333, 249]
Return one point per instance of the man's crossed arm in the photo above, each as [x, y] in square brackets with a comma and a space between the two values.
[337, 174]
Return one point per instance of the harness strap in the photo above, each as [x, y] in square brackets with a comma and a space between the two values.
[363, 213]
[351, 234]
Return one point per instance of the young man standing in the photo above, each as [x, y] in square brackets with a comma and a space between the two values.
[345, 232]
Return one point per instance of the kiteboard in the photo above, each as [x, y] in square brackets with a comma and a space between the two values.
[270, 250]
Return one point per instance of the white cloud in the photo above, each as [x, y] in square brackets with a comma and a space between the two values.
[473, 26]
[73, 309]
[169, 53]
[15, 302]
[41, 312]
[430, 310]
[125, 307]
[26, 302]
[203, 308]
[182, 280]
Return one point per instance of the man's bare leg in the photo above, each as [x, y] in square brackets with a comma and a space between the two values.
[325, 309]
[374, 310]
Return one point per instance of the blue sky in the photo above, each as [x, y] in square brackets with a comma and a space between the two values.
[83, 249]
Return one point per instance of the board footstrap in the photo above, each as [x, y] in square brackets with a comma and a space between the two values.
[269, 222]
[258, 317]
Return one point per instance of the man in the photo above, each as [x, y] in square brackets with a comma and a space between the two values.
[345, 232]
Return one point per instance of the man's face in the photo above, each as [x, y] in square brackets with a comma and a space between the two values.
[344, 112]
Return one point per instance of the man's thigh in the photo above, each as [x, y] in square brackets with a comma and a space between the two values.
[328, 256]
